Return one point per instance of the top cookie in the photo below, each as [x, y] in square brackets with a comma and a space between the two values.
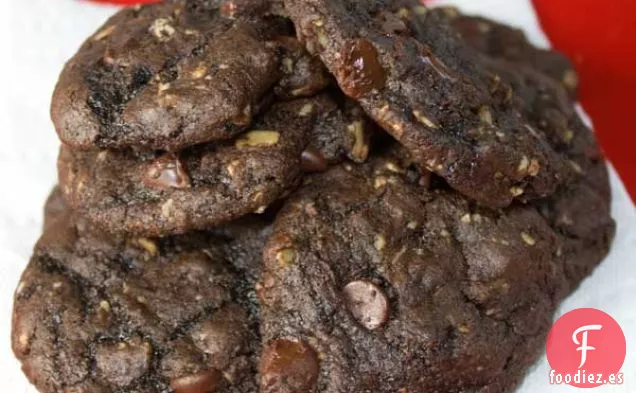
[170, 75]
[427, 88]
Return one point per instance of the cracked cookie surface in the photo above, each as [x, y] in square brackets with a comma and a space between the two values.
[540, 93]
[427, 88]
[170, 75]
[374, 283]
[157, 194]
[506, 42]
[101, 313]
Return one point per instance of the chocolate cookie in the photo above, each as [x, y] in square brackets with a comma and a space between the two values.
[101, 313]
[427, 88]
[170, 75]
[156, 194]
[506, 42]
[373, 283]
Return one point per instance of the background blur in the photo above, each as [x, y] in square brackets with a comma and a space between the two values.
[38, 36]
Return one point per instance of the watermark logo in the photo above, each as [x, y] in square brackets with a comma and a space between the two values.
[586, 348]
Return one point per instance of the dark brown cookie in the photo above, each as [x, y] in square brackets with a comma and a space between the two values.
[428, 89]
[157, 194]
[506, 42]
[373, 283]
[170, 75]
[100, 313]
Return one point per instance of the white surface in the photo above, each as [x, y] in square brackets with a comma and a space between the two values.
[37, 36]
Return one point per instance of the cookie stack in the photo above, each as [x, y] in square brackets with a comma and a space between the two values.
[308, 196]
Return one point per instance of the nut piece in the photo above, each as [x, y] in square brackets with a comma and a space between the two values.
[534, 167]
[360, 149]
[167, 209]
[466, 219]
[288, 65]
[148, 245]
[577, 168]
[306, 110]
[529, 240]
[289, 366]
[162, 29]
[199, 72]
[258, 138]
[393, 167]
[379, 182]
[105, 305]
[523, 165]
[367, 303]
[424, 120]
[516, 191]
[104, 33]
[286, 257]
[485, 115]
[380, 242]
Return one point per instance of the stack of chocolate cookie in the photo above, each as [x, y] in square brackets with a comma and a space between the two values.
[308, 196]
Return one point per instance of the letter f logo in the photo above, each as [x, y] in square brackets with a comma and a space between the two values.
[584, 348]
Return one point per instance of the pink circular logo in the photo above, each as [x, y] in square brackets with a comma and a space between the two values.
[586, 348]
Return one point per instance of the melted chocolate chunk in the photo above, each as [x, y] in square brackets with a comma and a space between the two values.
[288, 367]
[167, 172]
[361, 72]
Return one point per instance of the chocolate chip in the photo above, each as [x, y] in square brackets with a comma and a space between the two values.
[167, 172]
[362, 71]
[205, 382]
[313, 161]
[367, 304]
[289, 367]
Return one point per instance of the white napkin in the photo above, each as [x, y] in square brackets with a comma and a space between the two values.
[37, 36]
